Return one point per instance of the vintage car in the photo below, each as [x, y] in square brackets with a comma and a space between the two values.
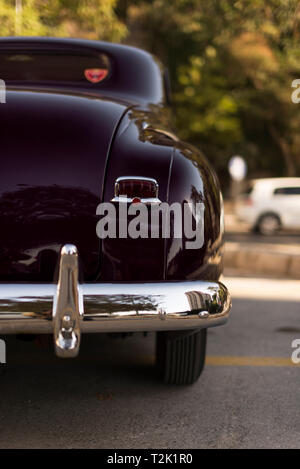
[87, 125]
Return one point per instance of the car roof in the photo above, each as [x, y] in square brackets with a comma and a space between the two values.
[279, 182]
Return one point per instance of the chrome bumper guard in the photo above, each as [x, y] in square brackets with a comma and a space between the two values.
[69, 308]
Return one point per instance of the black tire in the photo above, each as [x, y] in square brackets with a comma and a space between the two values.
[268, 224]
[2, 369]
[180, 355]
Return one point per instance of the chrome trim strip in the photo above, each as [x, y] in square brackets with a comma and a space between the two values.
[129, 200]
[137, 178]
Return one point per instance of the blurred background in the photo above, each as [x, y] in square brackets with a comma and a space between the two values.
[231, 66]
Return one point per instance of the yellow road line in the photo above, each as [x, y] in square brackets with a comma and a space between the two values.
[249, 361]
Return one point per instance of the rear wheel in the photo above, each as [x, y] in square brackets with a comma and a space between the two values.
[180, 355]
[268, 224]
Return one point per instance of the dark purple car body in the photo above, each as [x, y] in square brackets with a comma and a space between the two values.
[65, 142]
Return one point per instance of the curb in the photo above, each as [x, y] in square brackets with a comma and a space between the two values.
[267, 259]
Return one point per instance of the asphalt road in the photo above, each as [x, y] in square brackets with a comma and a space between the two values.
[108, 397]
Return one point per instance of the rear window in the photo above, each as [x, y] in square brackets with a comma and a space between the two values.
[287, 191]
[53, 67]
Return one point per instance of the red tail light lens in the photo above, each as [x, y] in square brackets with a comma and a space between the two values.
[143, 188]
[248, 201]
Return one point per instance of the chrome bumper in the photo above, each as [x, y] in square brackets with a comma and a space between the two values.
[69, 308]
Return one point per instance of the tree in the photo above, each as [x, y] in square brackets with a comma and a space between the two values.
[91, 19]
[232, 64]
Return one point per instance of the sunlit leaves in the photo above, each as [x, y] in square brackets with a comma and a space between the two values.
[232, 64]
[91, 19]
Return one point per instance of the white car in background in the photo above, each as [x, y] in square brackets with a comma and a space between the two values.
[270, 204]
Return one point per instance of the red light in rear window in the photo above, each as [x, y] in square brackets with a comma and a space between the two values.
[95, 75]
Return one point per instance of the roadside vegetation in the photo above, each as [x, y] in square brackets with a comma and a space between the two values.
[231, 65]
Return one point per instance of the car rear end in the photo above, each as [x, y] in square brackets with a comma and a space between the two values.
[57, 149]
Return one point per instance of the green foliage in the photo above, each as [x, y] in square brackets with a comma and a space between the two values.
[91, 19]
[12, 23]
[232, 64]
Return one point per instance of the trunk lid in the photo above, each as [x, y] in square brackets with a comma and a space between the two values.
[53, 152]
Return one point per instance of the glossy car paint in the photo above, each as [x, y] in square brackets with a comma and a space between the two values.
[63, 150]
[53, 155]
[183, 176]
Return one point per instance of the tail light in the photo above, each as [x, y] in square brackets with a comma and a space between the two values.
[136, 189]
[248, 201]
